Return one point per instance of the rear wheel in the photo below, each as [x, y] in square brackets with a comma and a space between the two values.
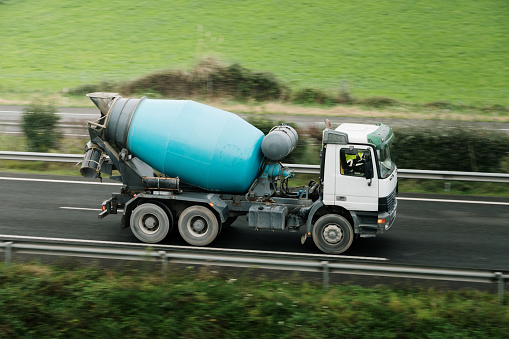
[333, 234]
[198, 226]
[150, 223]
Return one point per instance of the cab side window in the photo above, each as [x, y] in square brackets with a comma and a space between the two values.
[352, 161]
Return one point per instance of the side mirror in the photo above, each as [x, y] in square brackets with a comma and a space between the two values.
[368, 167]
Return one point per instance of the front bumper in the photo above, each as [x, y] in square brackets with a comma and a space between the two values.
[386, 219]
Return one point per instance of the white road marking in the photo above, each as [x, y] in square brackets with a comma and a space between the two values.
[456, 201]
[169, 247]
[63, 181]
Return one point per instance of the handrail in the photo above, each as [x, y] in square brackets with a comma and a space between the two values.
[285, 262]
[297, 168]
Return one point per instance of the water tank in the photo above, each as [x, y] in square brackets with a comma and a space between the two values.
[204, 146]
[279, 142]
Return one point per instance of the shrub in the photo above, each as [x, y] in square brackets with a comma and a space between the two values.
[495, 109]
[378, 102]
[262, 123]
[439, 105]
[39, 125]
[451, 149]
[212, 79]
[314, 133]
[312, 96]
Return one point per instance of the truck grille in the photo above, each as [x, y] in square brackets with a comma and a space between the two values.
[386, 204]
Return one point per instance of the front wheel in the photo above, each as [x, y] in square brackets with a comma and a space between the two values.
[333, 234]
[198, 226]
[150, 223]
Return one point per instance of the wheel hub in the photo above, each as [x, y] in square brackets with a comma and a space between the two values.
[198, 226]
[332, 234]
[150, 223]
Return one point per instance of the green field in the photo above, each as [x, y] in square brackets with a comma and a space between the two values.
[412, 51]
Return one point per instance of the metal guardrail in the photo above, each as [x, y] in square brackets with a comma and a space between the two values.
[297, 168]
[71, 130]
[234, 259]
[452, 175]
[421, 174]
[38, 156]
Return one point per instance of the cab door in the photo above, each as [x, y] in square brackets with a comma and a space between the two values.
[356, 184]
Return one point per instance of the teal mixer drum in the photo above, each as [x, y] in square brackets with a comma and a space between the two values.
[204, 146]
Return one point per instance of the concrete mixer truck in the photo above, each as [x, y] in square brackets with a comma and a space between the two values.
[197, 168]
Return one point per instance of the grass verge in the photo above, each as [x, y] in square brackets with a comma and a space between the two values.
[42, 302]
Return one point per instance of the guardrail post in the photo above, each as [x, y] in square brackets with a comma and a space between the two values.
[164, 263]
[500, 280]
[325, 270]
[447, 187]
[8, 252]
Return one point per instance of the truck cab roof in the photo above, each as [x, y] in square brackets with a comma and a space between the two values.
[357, 133]
[377, 135]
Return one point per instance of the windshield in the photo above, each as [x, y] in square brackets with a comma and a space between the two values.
[385, 161]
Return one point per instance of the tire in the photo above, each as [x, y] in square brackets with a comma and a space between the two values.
[150, 223]
[198, 226]
[333, 234]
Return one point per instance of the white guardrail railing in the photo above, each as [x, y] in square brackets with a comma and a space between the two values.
[235, 258]
[297, 168]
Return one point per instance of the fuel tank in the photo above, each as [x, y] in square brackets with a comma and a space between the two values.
[204, 146]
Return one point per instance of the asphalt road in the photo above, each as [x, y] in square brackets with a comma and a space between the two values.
[80, 116]
[461, 232]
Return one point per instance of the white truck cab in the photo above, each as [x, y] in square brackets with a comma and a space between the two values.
[359, 176]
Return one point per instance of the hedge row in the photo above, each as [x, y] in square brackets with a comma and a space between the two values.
[445, 148]
[208, 79]
[452, 149]
[211, 79]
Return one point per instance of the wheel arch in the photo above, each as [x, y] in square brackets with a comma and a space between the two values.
[184, 205]
[322, 210]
